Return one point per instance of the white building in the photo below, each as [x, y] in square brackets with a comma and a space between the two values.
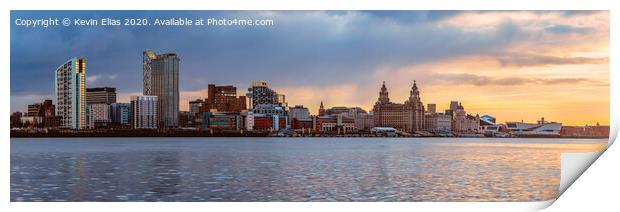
[144, 112]
[540, 128]
[71, 93]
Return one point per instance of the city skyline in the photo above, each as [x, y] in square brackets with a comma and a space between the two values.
[529, 64]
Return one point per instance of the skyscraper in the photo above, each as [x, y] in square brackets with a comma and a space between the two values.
[144, 112]
[161, 79]
[105, 95]
[71, 93]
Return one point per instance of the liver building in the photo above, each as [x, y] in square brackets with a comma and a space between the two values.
[407, 117]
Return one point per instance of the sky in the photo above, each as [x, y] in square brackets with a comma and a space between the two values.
[513, 65]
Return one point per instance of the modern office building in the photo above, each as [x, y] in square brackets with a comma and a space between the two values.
[70, 92]
[161, 79]
[104, 95]
[119, 113]
[223, 99]
[97, 115]
[260, 93]
[408, 117]
[143, 113]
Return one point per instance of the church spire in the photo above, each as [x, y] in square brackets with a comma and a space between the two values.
[321, 109]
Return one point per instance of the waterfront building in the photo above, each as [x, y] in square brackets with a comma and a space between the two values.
[194, 107]
[438, 122]
[105, 95]
[488, 125]
[143, 112]
[463, 122]
[97, 115]
[259, 93]
[161, 79]
[222, 121]
[263, 122]
[119, 114]
[70, 89]
[542, 127]
[299, 112]
[364, 121]
[223, 99]
[305, 125]
[408, 117]
[349, 112]
[337, 123]
[596, 131]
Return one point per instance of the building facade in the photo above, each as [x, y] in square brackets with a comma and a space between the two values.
[194, 107]
[105, 95]
[223, 99]
[161, 79]
[463, 122]
[259, 93]
[70, 92]
[438, 122]
[97, 115]
[299, 112]
[119, 113]
[143, 113]
[408, 117]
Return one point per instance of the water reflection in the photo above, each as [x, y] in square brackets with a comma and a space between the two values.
[280, 169]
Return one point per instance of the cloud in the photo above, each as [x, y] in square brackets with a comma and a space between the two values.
[566, 29]
[524, 60]
[98, 77]
[478, 80]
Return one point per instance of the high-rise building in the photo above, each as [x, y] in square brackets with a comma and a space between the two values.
[223, 99]
[119, 113]
[260, 93]
[408, 117]
[144, 112]
[161, 79]
[105, 95]
[71, 93]
[97, 115]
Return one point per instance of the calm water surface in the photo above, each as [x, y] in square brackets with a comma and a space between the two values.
[289, 169]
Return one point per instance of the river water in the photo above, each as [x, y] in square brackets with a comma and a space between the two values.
[289, 169]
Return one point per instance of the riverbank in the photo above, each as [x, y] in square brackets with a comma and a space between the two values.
[221, 133]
